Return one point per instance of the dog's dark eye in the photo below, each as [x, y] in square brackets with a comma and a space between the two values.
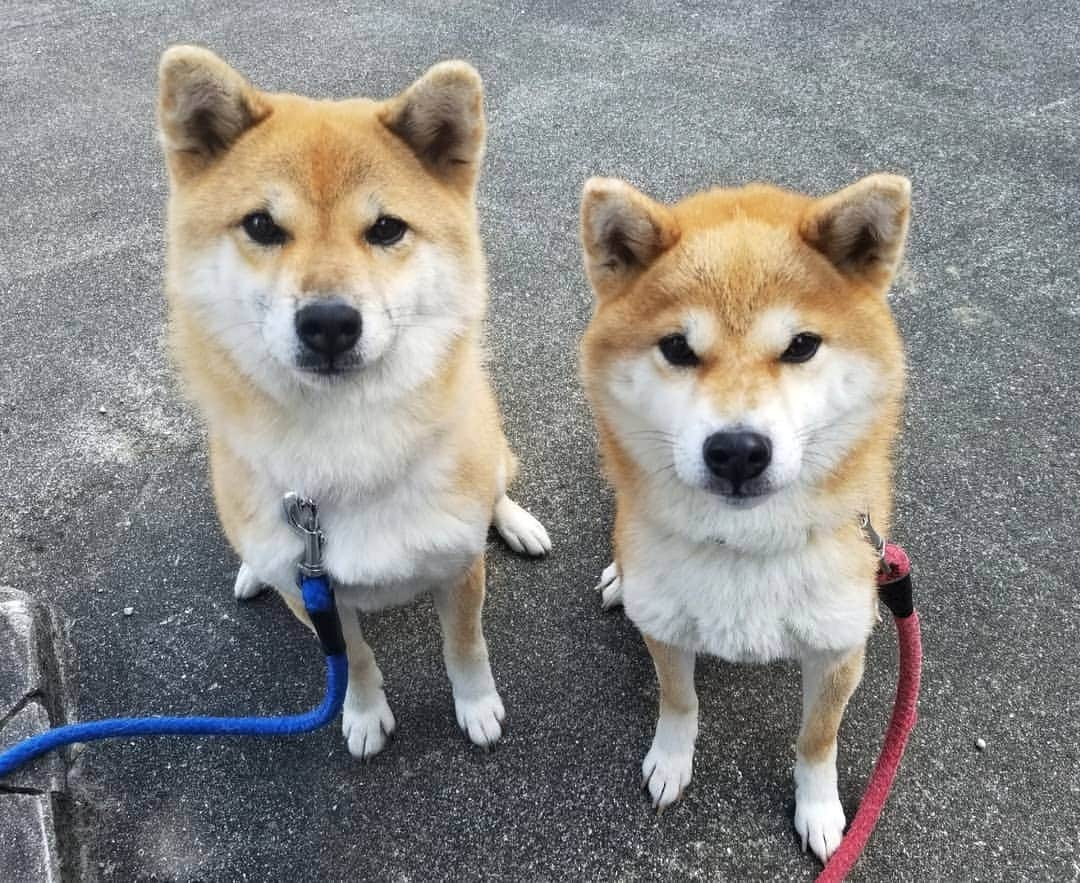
[677, 351]
[385, 231]
[262, 229]
[802, 348]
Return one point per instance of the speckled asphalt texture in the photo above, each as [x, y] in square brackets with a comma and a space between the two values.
[104, 501]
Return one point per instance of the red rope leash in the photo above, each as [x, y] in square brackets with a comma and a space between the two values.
[894, 585]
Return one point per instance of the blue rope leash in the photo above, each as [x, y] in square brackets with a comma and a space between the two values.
[319, 602]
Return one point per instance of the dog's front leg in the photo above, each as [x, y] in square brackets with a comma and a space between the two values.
[668, 765]
[476, 701]
[366, 719]
[828, 682]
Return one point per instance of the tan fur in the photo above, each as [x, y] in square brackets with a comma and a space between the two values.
[677, 695]
[325, 150]
[767, 262]
[364, 674]
[365, 678]
[794, 578]
[459, 611]
[401, 442]
[817, 738]
[296, 605]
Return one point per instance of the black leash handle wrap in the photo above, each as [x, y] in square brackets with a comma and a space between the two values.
[898, 596]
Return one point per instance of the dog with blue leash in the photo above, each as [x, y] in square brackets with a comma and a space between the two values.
[326, 288]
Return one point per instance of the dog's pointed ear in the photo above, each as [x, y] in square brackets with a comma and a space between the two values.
[441, 118]
[203, 107]
[623, 231]
[861, 229]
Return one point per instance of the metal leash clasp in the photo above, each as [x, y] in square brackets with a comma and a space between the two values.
[302, 516]
[873, 537]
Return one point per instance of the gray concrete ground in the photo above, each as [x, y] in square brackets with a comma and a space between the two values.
[105, 504]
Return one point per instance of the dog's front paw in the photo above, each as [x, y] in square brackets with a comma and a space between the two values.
[247, 585]
[610, 587]
[520, 530]
[666, 774]
[367, 727]
[820, 824]
[819, 817]
[481, 718]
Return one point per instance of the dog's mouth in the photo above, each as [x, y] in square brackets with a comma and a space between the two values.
[329, 367]
[743, 495]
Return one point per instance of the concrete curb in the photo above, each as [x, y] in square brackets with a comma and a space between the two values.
[36, 834]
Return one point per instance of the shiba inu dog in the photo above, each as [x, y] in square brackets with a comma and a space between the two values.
[746, 377]
[326, 289]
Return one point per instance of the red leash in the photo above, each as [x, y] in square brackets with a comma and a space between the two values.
[894, 587]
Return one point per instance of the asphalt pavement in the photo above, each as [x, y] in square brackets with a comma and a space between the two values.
[104, 502]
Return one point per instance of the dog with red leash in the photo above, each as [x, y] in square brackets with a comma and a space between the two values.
[746, 377]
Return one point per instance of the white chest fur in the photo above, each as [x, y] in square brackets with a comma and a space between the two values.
[394, 525]
[745, 607]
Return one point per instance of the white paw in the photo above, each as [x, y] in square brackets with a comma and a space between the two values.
[247, 585]
[367, 728]
[481, 718]
[819, 817]
[610, 587]
[820, 825]
[666, 774]
[521, 532]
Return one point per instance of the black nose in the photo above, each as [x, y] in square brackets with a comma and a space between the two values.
[330, 327]
[737, 456]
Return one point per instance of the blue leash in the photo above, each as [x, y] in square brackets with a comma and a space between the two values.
[319, 603]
